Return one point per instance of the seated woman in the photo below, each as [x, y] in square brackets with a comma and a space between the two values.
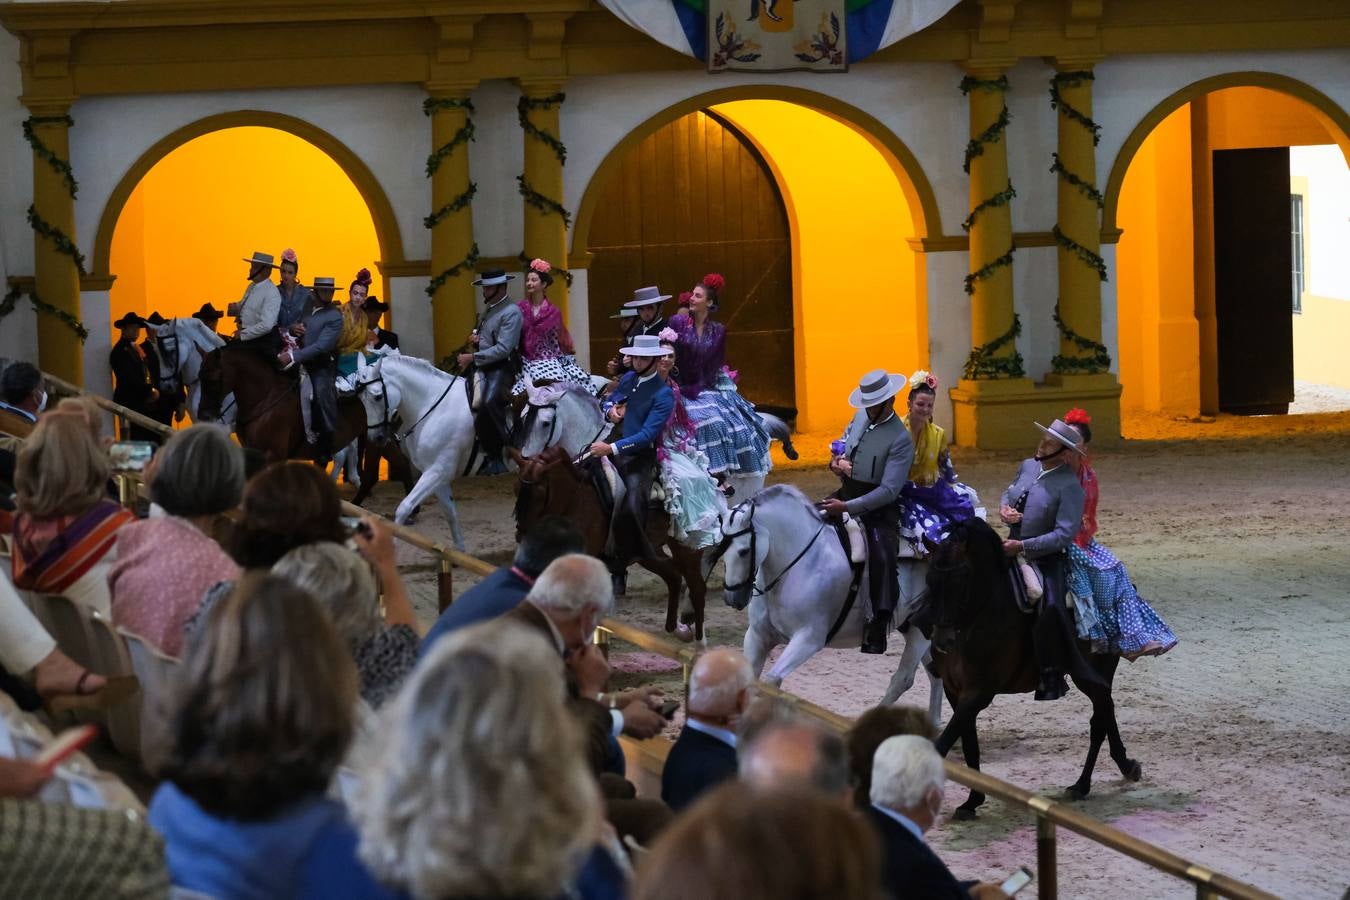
[483, 789]
[932, 500]
[1110, 612]
[26, 648]
[693, 499]
[165, 564]
[726, 426]
[545, 344]
[65, 533]
[355, 331]
[257, 727]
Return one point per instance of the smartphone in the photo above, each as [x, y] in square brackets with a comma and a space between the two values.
[1016, 881]
[131, 456]
[355, 526]
[668, 708]
[63, 746]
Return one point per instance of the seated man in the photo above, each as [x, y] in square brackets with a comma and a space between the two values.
[1044, 510]
[318, 344]
[21, 399]
[494, 357]
[705, 752]
[787, 753]
[649, 402]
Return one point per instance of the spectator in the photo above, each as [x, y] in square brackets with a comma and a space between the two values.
[165, 564]
[705, 752]
[502, 591]
[483, 790]
[866, 735]
[383, 646]
[66, 530]
[738, 843]
[286, 505]
[25, 646]
[259, 724]
[906, 795]
[21, 399]
[799, 753]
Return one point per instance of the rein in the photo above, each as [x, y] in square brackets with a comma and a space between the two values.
[400, 438]
[754, 562]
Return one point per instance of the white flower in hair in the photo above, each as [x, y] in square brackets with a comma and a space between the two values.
[923, 377]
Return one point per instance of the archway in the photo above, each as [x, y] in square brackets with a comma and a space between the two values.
[1209, 191]
[854, 197]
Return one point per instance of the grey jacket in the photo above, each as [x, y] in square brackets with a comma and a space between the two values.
[323, 327]
[498, 333]
[1053, 512]
[881, 456]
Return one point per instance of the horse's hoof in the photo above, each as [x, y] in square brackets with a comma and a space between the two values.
[1076, 793]
[963, 814]
[687, 618]
[683, 633]
[1132, 770]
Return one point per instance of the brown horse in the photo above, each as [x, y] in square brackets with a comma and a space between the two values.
[983, 646]
[269, 418]
[549, 484]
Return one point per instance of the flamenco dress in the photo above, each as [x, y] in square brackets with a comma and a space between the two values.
[692, 498]
[932, 500]
[546, 349]
[1110, 612]
[351, 345]
[726, 427]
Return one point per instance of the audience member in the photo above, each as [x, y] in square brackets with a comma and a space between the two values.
[259, 724]
[705, 752]
[66, 529]
[866, 735]
[483, 790]
[502, 591]
[25, 646]
[799, 753]
[21, 399]
[383, 645]
[739, 843]
[165, 564]
[906, 799]
[286, 505]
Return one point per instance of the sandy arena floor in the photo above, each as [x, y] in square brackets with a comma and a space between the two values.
[1236, 531]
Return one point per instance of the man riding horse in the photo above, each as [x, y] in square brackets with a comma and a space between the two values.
[495, 340]
[318, 346]
[256, 312]
[872, 465]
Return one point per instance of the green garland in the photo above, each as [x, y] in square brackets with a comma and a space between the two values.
[542, 202]
[525, 260]
[1097, 361]
[57, 237]
[1000, 199]
[1085, 188]
[463, 136]
[454, 205]
[11, 299]
[530, 103]
[61, 166]
[988, 270]
[1094, 260]
[464, 265]
[1073, 79]
[982, 364]
[995, 131]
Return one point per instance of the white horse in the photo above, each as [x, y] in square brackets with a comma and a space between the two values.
[784, 561]
[194, 340]
[435, 426]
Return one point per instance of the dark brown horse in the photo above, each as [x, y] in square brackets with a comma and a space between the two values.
[268, 417]
[371, 455]
[982, 646]
[549, 484]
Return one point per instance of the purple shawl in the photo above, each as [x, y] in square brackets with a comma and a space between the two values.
[699, 359]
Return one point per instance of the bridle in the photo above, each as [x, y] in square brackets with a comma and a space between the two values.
[532, 411]
[753, 577]
[390, 422]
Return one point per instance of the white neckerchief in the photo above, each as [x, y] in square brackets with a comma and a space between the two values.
[1044, 471]
[879, 423]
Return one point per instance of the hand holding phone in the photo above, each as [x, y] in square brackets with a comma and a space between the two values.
[63, 746]
[667, 709]
[130, 456]
[1016, 881]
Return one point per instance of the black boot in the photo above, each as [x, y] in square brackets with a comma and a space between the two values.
[620, 582]
[875, 633]
[1052, 685]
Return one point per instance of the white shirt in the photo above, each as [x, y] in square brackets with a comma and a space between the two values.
[1044, 471]
[722, 734]
[258, 310]
[908, 823]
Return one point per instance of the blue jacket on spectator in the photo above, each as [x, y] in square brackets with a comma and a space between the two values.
[496, 595]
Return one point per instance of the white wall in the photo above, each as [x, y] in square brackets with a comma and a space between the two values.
[1326, 219]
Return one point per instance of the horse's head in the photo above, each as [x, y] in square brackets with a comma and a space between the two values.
[380, 396]
[963, 574]
[214, 387]
[744, 545]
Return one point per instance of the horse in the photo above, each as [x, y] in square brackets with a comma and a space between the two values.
[438, 443]
[784, 562]
[983, 647]
[191, 340]
[268, 402]
[550, 484]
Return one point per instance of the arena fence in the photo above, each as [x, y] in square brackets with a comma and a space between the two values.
[1050, 814]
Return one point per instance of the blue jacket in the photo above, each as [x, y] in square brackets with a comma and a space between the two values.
[494, 596]
[909, 866]
[650, 404]
[697, 762]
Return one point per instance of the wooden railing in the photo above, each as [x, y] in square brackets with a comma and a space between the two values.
[1050, 814]
[65, 388]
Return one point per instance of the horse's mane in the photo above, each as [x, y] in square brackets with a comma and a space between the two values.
[551, 393]
[415, 362]
[789, 492]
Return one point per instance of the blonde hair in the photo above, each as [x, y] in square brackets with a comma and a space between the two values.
[61, 470]
[483, 789]
[342, 583]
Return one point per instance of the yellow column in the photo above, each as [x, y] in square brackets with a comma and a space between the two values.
[56, 273]
[1079, 206]
[541, 184]
[453, 251]
[990, 283]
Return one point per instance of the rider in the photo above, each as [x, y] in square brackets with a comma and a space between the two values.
[932, 500]
[384, 338]
[133, 387]
[296, 299]
[546, 348]
[172, 396]
[208, 315]
[355, 331]
[877, 455]
[1044, 509]
[256, 312]
[649, 401]
[650, 320]
[497, 339]
[318, 346]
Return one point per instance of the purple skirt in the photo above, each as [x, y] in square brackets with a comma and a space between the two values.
[930, 511]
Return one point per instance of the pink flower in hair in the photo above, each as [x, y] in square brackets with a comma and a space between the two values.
[540, 265]
[668, 335]
[288, 255]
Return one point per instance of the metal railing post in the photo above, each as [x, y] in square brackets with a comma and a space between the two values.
[445, 586]
[1047, 873]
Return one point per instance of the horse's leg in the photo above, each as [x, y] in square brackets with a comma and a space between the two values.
[669, 572]
[1130, 768]
[934, 694]
[801, 646]
[970, 749]
[760, 637]
[691, 566]
[447, 499]
[916, 646]
[423, 489]
[369, 458]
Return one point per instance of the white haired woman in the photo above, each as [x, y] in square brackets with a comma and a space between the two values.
[483, 789]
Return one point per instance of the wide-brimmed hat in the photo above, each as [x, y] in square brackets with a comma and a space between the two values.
[645, 345]
[493, 276]
[1065, 433]
[625, 314]
[646, 297]
[156, 319]
[325, 284]
[128, 320]
[375, 304]
[208, 313]
[876, 386]
[262, 259]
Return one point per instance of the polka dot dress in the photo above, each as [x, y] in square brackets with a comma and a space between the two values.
[1125, 623]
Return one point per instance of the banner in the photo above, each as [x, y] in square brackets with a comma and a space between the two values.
[776, 36]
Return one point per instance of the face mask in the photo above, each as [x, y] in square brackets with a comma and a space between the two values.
[42, 402]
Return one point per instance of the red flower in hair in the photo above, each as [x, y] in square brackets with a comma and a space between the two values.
[714, 281]
[685, 297]
[363, 277]
[1077, 416]
[288, 255]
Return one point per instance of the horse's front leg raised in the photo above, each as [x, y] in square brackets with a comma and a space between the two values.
[801, 646]
[760, 638]
[426, 485]
[916, 645]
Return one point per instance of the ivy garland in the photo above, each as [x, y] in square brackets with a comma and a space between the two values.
[1094, 260]
[464, 265]
[988, 270]
[454, 205]
[11, 299]
[431, 106]
[543, 202]
[1073, 79]
[45, 153]
[57, 237]
[530, 103]
[995, 131]
[991, 135]
[1098, 359]
[982, 364]
[1000, 199]
[1085, 188]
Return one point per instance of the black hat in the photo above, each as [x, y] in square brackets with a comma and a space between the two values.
[128, 320]
[374, 304]
[208, 313]
[156, 319]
